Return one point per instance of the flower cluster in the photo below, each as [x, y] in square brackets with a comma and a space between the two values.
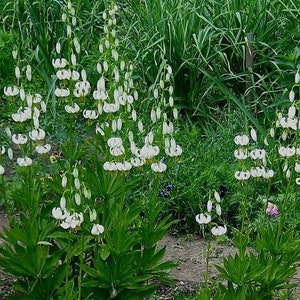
[31, 137]
[257, 156]
[206, 218]
[288, 126]
[73, 202]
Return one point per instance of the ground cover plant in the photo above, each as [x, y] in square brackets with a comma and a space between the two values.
[99, 102]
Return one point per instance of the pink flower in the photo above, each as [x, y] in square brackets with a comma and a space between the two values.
[272, 209]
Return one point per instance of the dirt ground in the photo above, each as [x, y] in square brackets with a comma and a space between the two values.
[189, 251]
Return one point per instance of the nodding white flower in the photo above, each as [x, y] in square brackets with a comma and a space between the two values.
[75, 75]
[167, 128]
[69, 31]
[209, 205]
[297, 78]
[109, 166]
[258, 171]
[287, 151]
[110, 107]
[148, 152]
[298, 181]
[241, 140]
[257, 154]
[153, 115]
[72, 109]
[63, 202]
[22, 94]
[58, 46]
[217, 196]
[2, 150]
[268, 174]
[97, 229]
[242, 175]
[137, 162]
[101, 85]
[124, 166]
[218, 209]
[17, 72]
[64, 74]
[37, 98]
[253, 134]
[61, 92]
[133, 115]
[173, 150]
[219, 230]
[117, 150]
[11, 91]
[77, 197]
[59, 213]
[2, 170]
[10, 153]
[72, 220]
[158, 167]
[43, 149]
[28, 73]
[292, 96]
[203, 219]
[64, 181]
[22, 116]
[175, 113]
[24, 161]
[100, 95]
[90, 114]
[19, 139]
[14, 54]
[82, 89]
[37, 134]
[105, 66]
[297, 167]
[77, 183]
[59, 63]
[29, 100]
[87, 193]
[240, 154]
[155, 93]
[114, 142]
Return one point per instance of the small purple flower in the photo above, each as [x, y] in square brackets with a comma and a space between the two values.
[169, 187]
[223, 191]
[272, 209]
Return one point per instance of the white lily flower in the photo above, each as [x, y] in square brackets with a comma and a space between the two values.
[242, 175]
[72, 221]
[203, 219]
[19, 139]
[158, 167]
[43, 149]
[97, 229]
[209, 206]
[218, 209]
[219, 230]
[59, 213]
[2, 170]
[59, 63]
[217, 196]
[11, 91]
[72, 109]
[24, 161]
[37, 134]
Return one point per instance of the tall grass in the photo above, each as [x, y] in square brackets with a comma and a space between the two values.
[205, 41]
